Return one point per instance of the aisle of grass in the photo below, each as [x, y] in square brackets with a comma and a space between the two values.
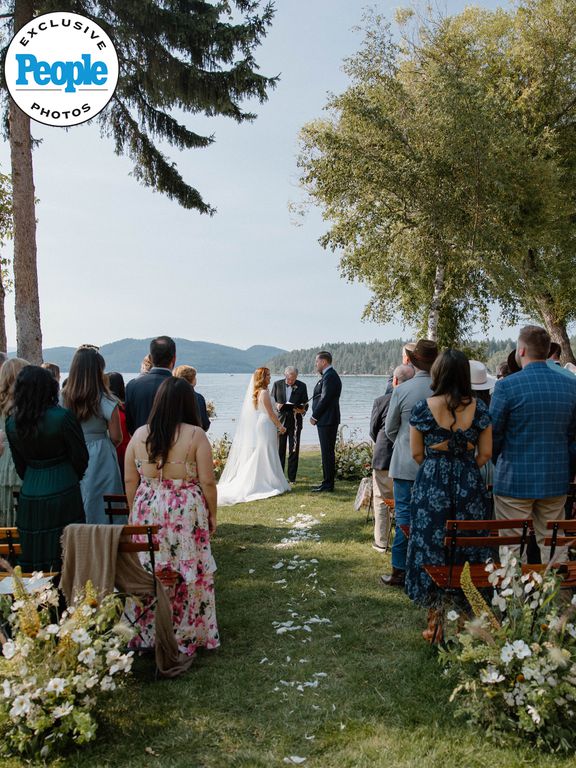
[376, 696]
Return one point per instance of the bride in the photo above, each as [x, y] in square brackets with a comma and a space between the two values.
[253, 470]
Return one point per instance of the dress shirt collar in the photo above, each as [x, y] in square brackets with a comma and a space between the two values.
[326, 369]
[159, 369]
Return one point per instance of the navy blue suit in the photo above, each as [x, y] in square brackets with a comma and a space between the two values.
[140, 394]
[326, 411]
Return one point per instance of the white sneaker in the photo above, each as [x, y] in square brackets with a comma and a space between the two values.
[378, 548]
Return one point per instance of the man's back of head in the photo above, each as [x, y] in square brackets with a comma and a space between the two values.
[163, 352]
[401, 374]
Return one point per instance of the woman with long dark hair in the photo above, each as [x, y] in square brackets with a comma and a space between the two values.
[118, 390]
[87, 395]
[451, 438]
[51, 457]
[170, 482]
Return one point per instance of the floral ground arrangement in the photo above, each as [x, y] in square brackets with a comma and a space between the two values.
[57, 671]
[515, 663]
[353, 456]
[360, 690]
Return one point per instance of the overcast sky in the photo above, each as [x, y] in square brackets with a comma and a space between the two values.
[117, 260]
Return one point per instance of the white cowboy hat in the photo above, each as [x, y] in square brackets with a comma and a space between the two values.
[479, 376]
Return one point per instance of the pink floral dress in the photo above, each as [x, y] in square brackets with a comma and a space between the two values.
[179, 507]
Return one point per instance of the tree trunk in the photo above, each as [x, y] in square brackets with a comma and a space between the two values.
[3, 340]
[434, 313]
[27, 309]
[558, 333]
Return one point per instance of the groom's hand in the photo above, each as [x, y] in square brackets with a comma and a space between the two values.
[313, 421]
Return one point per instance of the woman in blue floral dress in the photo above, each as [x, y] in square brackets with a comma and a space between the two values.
[451, 438]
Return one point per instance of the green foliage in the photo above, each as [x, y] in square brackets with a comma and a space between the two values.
[220, 450]
[189, 56]
[353, 457]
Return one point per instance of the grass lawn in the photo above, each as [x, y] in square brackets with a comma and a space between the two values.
[375, 695]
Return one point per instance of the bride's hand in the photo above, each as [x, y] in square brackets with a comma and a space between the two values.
[282, 430]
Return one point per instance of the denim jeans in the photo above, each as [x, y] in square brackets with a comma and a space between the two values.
[402, 495]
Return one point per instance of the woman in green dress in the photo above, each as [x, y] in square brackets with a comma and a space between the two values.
[9, 480]
[50, 455]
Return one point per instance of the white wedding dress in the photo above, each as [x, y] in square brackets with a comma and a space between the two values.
[253, 470]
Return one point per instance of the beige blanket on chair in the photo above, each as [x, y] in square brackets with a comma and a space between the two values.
[90, 552]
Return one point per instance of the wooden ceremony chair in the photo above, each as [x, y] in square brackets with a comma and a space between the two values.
[568, 539]
[115, 505]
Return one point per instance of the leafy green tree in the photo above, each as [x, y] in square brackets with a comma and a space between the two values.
[176, 57]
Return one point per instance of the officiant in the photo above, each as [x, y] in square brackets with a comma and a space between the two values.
[291, 398]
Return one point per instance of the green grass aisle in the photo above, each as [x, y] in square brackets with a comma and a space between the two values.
[348, 684]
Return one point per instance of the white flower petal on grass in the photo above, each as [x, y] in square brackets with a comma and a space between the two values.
[278, 565]
[264, 660]
[294, 760]
[251, 570]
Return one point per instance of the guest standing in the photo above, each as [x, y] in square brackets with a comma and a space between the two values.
[51, 457]
[170, 482]
[86, 394]
[290, 390]
[445, 431]
[54, 370]
[403, 468]
[326, 417]
[382, 484]
[189, 373]
[9, 479]
[140, 392]
[118, 390]
[534, 419]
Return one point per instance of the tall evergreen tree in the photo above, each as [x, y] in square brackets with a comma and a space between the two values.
[176, 57]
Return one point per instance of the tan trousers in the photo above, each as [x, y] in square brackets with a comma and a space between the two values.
[382, 488]
[541, 511]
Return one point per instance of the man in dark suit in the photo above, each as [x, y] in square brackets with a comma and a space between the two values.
[291, 398]
[140, 392]
[326, 416]
[382, 483]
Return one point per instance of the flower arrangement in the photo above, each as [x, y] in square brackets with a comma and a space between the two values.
[515, 666]
[220, 451]
[353, 457]
[211, 409]
[54, 670]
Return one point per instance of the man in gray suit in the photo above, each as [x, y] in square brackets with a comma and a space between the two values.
[403, 468]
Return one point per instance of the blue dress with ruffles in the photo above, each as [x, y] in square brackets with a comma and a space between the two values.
[448, 486]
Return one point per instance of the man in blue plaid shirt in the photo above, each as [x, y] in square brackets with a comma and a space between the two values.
[534, 426]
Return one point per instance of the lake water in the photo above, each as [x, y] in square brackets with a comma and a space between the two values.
[227, 391]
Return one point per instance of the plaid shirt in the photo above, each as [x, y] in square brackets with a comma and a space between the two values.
[534, 422]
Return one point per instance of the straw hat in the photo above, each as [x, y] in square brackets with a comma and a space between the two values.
[423, 354]
[479, 376]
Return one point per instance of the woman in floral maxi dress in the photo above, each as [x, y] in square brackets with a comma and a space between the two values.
[170, 482]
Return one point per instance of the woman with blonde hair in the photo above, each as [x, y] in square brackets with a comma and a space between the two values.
[188, 373]
[253, 469]
[9, 479]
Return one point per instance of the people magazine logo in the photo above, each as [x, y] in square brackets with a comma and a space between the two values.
[61, 69]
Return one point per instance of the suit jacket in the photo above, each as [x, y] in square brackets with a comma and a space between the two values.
[202, 411]
[534, 426]
[140, 394]
[383, 446]
[299, 397]
[397, 426]
[326, 399]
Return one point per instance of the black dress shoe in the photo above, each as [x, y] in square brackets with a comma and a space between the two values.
[394, 579]
[322, 489]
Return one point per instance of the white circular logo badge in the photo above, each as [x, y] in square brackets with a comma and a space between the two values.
[61, 69]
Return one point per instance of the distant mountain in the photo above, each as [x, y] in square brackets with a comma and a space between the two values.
[127, 354]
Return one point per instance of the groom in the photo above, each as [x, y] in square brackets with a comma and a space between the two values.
[326, 416]
[290, 390]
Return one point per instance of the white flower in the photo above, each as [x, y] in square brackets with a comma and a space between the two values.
[9, 649]
[62, 711]
[91, 681]
[56, 685]
[81, 637]
[571, 629]
[52, 629]
[6, 688]
[87, 656]
[20, 706]
[521, 650]
[499, 602]
[491, 675]
[533, 714]
[573, 601]
[507, 653]
[452, 615]
[112, 655]
[107, 684]
[509, 699]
